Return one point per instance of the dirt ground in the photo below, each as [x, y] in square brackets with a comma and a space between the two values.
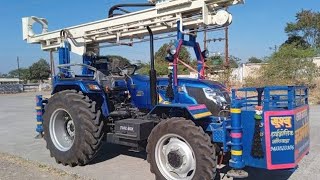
[12, 167]
[31, 159]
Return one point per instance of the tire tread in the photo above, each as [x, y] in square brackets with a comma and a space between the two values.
[195, 136]
[91, 124]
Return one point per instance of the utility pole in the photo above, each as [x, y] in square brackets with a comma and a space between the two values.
[227, 67]
[52, 67]
[18, 63]
[275, 49]
[205, 39]
[227, 47]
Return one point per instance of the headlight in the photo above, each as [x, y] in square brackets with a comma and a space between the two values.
[210, 92]
[172, 50]
[214, 95]
[93, 87]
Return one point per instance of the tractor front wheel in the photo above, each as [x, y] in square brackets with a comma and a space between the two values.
[73, 128]
[179, 150]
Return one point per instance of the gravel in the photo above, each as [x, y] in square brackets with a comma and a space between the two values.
[17, 132]
[13, 167]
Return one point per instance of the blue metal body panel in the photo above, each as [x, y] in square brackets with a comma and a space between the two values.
[193, 110]
[247, 114]
[285, 131]
[200, 59]
[281, 112]
[64, 58]
[87, 61]
[141, 92]
[81, 85]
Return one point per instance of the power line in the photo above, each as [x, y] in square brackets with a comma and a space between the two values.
[18, 63]
[215, 40]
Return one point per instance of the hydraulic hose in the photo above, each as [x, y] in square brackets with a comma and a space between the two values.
[119, 7]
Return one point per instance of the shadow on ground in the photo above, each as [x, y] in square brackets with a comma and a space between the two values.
[255, 173]
[261, 174]
[110, 151]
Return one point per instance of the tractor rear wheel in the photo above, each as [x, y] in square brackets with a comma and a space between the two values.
[73, 128]
[179, 150]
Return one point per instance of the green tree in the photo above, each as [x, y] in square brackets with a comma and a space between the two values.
[289, 66]
[24, 74]
[161, 64]
[161, 54]
[143, 68]
[297, 41]
[307, 26]
[234, 61]
[254, 60]
[4, 75]
[218, 62]
[214, 64]
[39, 70]
[293, 63]
[117, 61]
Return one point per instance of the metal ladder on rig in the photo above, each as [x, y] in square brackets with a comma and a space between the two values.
[130, 27]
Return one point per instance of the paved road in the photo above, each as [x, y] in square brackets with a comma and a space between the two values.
[17, 124]
[17, 132]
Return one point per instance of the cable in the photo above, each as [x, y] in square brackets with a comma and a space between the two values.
[113, 44]
[118, 7]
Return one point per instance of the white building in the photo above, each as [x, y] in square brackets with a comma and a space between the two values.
[249, 70]
[246, 70]
[9, 81]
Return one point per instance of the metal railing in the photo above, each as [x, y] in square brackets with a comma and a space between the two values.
[19, 88]
[11, 88]
[273, 97]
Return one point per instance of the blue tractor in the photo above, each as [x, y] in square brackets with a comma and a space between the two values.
[183, 124]
[169, 117]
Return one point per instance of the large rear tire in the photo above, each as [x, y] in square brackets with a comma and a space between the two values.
[73, 128]
[179, 150]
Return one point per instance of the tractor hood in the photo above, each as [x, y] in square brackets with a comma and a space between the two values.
[191, 91]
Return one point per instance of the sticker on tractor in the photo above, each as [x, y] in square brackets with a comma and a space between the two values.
[140, 93]
[287, 137]
[302, 133]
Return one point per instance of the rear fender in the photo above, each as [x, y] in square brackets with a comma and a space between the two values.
[97, 95]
